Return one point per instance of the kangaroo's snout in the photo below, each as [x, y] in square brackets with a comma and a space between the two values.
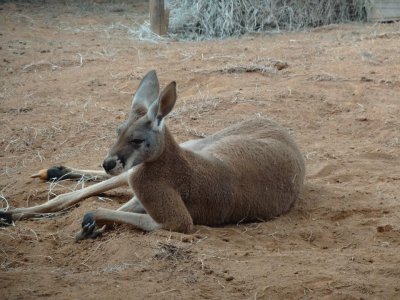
[109, 164]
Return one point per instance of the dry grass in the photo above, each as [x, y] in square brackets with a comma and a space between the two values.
[3, 200]
[327, 77]
[144, 33]
[262, 69]
[204, 19]
[172, 251]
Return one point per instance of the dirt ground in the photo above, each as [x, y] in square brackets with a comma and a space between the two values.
[67, 75]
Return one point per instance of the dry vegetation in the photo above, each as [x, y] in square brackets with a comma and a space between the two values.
[67, 74]
[205, 19]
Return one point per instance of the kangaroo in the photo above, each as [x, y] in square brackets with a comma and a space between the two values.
[251, 171]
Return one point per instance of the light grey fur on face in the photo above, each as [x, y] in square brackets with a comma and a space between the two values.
[123, 155]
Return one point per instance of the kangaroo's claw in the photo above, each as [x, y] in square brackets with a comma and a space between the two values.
[88, 228]
[5, 218]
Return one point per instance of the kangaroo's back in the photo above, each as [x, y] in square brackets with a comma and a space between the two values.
[255, 129]
[255, 172]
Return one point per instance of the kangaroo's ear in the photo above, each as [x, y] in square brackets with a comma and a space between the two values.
[147, 92]
[163, 106]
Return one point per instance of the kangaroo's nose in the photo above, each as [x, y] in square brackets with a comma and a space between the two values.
[109, 164]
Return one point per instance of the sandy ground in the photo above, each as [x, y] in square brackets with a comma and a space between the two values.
[67, 76]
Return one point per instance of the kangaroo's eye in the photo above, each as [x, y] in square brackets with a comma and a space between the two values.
[137, 141]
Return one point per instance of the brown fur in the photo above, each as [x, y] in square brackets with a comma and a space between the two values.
[251, 171]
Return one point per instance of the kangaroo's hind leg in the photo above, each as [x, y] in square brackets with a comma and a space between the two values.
[64, 201]
[63, 172]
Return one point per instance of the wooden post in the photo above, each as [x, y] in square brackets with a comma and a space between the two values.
[159, 17]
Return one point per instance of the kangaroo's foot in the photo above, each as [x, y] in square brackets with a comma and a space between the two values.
[88, 228]
[54, 173]
[5, 218]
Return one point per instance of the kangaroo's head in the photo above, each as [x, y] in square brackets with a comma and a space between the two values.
[141, 137]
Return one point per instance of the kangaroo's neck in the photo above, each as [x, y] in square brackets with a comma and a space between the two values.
[172, 154]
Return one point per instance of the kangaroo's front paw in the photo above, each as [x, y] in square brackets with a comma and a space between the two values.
[88, 228]
[5, 218]
[55, 173]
